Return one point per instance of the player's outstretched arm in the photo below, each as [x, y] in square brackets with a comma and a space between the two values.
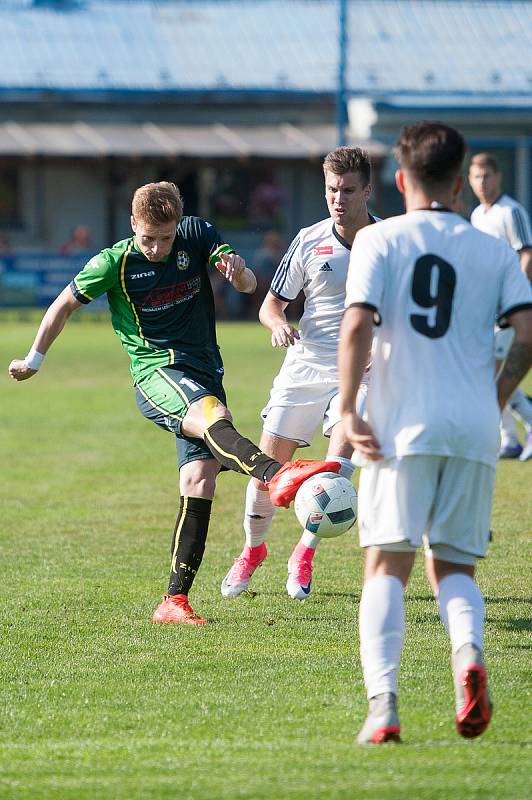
[51, 326]
[272, 316]
[519, 358]
[233, 268]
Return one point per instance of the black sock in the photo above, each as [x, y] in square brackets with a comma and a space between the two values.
[234, 451]
[188, 543]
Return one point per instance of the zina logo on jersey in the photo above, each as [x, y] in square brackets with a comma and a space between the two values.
[183, 259]
[138, 275]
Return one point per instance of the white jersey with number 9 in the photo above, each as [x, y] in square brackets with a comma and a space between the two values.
[438, 286]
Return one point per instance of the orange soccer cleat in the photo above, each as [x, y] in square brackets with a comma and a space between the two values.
[176, 608]
[285, 483]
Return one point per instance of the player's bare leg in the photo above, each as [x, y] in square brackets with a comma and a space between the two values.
[258, 516]
[197, 481]
[207, 418]
[461, 606]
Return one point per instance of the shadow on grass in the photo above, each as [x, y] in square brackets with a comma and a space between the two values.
[461, 743]
[314, 597]
[268, 621]
[521, 624]
[506, 600]
[423, 598]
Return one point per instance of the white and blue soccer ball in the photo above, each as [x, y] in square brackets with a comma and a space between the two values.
[326, 505]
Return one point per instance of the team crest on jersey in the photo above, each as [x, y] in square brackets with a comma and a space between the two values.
[183, 259]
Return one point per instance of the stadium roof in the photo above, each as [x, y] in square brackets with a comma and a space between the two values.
[150, 139]
[396, 47]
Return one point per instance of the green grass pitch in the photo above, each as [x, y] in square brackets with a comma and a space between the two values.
[99, 702]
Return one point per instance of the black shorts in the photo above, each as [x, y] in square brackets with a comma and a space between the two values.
[165, 397]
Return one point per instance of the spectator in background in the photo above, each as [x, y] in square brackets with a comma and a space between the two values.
[5, 246]
[265, 261]
[500, 215]
[266, 202]
[79, 242]
[5, 262]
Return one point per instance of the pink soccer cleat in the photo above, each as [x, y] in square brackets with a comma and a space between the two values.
[299, 583]
[237, 579]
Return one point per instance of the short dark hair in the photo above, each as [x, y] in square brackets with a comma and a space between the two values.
[431, 151]
[348, 159]
[157, 203]
[485, 160]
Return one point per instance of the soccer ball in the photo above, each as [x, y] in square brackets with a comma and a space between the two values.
[326, 505]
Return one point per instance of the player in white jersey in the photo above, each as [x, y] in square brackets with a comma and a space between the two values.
[503, 217]
[305, 392]
[430, 435]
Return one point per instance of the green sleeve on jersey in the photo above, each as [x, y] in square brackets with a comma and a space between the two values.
[97, 276]
[215, 255]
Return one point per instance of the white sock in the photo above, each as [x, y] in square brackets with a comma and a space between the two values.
[382, 632]
[346, 466]
[309, 540]
[520, 403]
[508, 428]
[258, 515]
[461, 607]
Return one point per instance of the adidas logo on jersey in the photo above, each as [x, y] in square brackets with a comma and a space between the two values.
[326, 267]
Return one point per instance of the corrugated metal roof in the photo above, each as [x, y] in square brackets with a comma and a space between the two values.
[395, 46]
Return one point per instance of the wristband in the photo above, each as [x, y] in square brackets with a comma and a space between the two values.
[34, 359]
[223, 248]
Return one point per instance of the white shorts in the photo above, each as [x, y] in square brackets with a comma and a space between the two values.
[444, 502]
[295, 411]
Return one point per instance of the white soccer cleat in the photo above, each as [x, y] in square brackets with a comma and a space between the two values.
[237, 579]
[510, 449]
[299, 583]
[382, 723]
[473, 704]
[526, 452]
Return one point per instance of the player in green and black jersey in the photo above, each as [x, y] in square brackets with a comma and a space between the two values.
[162, 309]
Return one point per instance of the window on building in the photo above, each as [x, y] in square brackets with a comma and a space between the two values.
[242, 197]
[9, 197]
